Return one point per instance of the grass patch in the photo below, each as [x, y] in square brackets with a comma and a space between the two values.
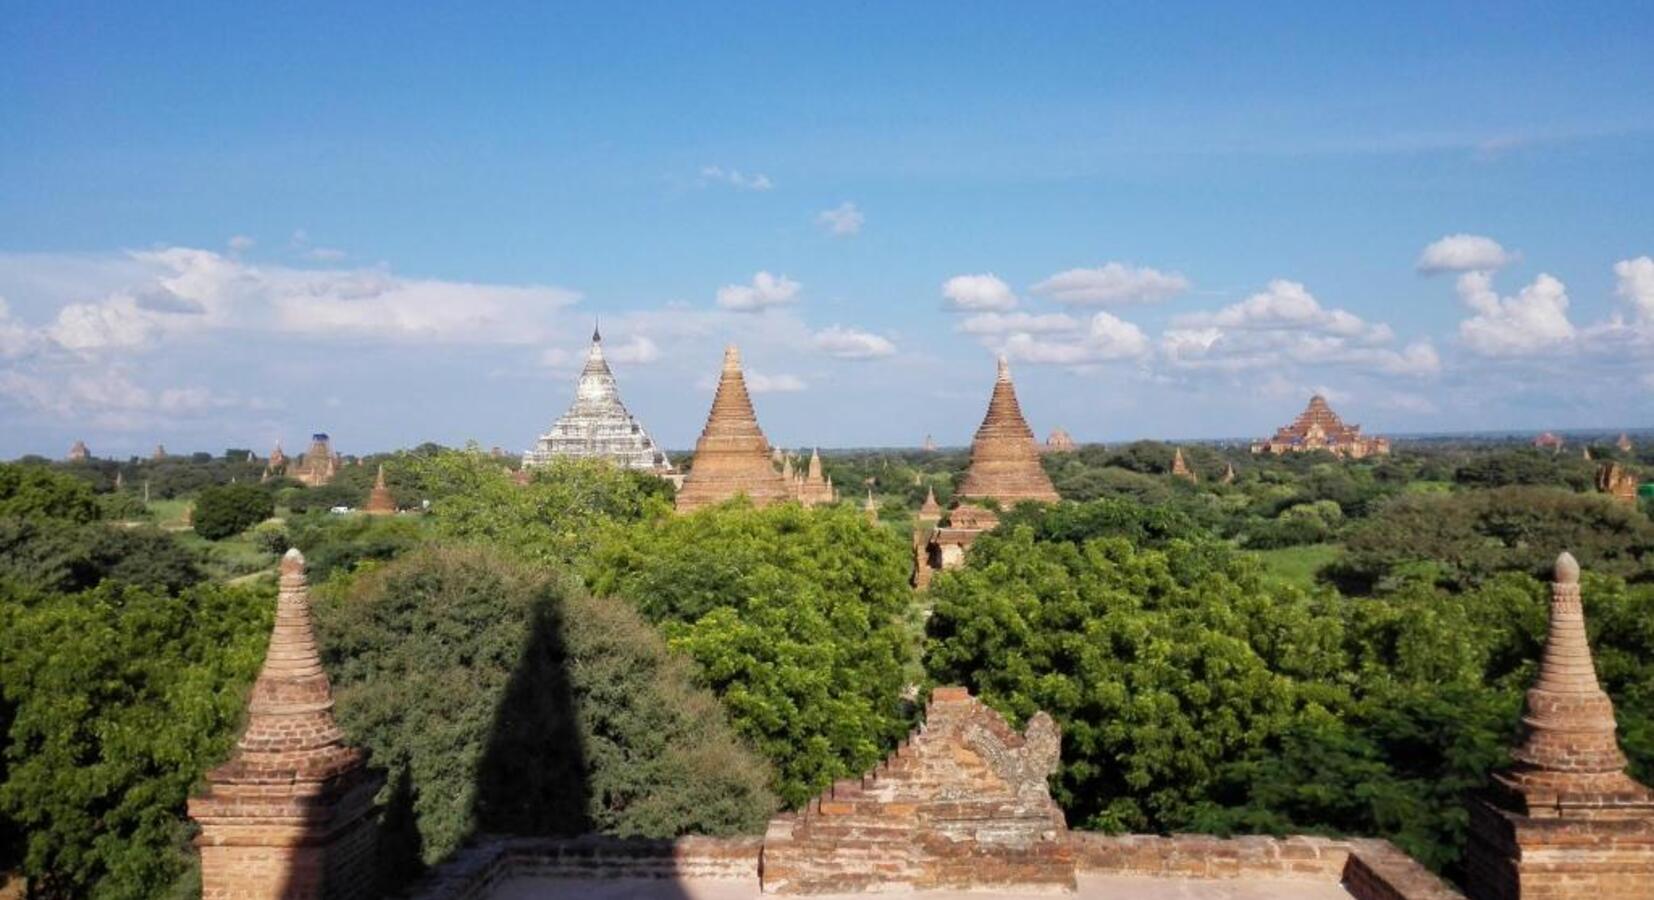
[230, 558]
[170, 513]
[1296, 566]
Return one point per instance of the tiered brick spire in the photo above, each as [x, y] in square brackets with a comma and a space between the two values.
[1569, 755]
[1004, 459]
[930, 509]
[811, 488]
[288, 815]
[1565, 820]
[380, 500]
[1180, 467]
[732, 456]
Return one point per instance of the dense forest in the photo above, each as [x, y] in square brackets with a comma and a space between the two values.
[1284, 644]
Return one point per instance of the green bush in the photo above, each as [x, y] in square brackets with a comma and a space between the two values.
[222, 512]
[121, 699]
[61, 557]
[507, 701]
[37, 492]
[796, 617]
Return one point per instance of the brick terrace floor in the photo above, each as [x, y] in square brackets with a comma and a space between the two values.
[1092, 887]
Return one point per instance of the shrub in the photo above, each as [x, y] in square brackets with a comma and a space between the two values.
[506, 700]
[221, 512]
[62, 557]
[36, 492]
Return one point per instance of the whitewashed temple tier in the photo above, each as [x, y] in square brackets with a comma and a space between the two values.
[597, 425]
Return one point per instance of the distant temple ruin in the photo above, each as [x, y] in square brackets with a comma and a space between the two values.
[1004, 467]
[1319, 428]
[811, 488]
[380, 500]
[598, 425]
[1548, 441]
[319, 465]
[1616, 480]
[1180, 468]
[1060, 442]
[1624, 443]
[79, 453]
[732, 456]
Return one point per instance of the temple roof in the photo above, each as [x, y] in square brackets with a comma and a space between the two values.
[1004, 458]
[732, 455]
[597, 424]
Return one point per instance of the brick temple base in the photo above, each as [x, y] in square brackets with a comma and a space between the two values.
[1519, 857]
[963, 803]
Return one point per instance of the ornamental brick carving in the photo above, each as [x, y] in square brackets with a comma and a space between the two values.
[598, 425]
[963, 803]
[1319, 428]
[380, 501]
[290, 815]
[1565, 820]
[1004, 459]
[732, 456]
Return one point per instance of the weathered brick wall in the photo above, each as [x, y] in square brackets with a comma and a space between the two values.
[473, 872]
[1515, 856]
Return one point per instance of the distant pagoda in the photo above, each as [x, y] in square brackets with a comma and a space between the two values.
[1319, 428]
[1004, 458]
[320, 464]
[1060, 441]
[597, 425]
[79, 453]
[732, 456]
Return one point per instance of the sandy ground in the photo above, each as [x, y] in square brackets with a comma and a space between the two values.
[1092, 887]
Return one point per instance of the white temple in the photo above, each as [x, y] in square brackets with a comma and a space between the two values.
[598, 426]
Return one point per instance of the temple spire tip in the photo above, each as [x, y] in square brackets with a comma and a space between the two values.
[1567, 569]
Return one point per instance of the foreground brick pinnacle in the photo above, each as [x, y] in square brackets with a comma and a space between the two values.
[289, 815]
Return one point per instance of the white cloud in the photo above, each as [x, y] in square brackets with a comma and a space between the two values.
[842, 220]
[326, 254]
[1533, 321]
[240, 243]
[1112, 283]
[108, 398]
[1635, 285]
[1287, 305]
[15, 338]
[757, 181]
[1107, 339]
[1003, 323]
[760, 383]
[974, 293]
[636, 350]
[765, 291]
[1464, 253]
[848, 343]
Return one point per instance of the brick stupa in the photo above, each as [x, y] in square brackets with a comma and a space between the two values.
[380, 501]
[812, 489]
[732, 457]
[962, 803]
[1004, 458]
[290, 815]
[1565, 820]
[1180, 467]
[1617, 481]
[1319, 428]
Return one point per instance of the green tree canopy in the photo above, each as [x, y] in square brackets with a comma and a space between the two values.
[224, 511]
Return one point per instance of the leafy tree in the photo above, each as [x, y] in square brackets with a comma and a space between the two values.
[1526, 466]
[1461, 539]
[36, 492]
[508, 700]
[222, 512]
[57, 557]
[122, 698]
[338, 543]
[324, 498]
[796, 617]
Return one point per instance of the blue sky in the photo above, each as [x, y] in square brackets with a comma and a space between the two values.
[226, 227]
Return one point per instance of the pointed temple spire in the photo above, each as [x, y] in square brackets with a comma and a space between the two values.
[732, 455]
[930, 509]
[1566, 819]
[597, 425]
[380, 500]
[815, 465]
[871, 508]
[1180, 467]
[1005, 462]
[289, 815]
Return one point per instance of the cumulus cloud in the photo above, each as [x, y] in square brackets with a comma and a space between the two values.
[108, 398]
[848, 343]
[1533, 321]
[1286, 325]
[1464, 253]
[756, 181]
[1111, 284]
[1635, 285]
[15, 338]
[1004, 323]
[978, 293]
[1107, 339]
[842, 220]
[760, 383]
[765, 291]
[636, 350]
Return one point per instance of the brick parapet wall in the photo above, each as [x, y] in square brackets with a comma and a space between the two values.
[1368, 869]
[472, 872]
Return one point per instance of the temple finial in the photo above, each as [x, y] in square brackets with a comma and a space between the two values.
[732, 357]
[1567, 569]
[1004, 368]
[597, 334]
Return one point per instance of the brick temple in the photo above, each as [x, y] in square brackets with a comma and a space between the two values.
[732, 456]
[380, 500]
[319, 465]
[1319, 428]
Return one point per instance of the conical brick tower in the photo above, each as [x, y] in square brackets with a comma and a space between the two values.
[289, 816]
[1004, 458]
[732, 456]
[380, 501]
[1566, 819]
